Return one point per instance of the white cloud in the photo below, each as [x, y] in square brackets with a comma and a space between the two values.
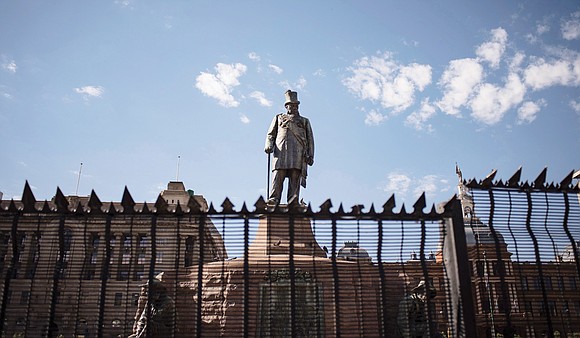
[493, 50]
[458, 82]
[261, 98]
[301, 84]
[253, 56]
[381, 79]
[491, 102]
[298, 85]
[571, 27]
[220, 85]
[397, 183]
[528, 111]
[564, 72]
[575, 105]
[400, 184]
[374, 118]
[419, 118]
[275, 69]
[124, 3]
[244, 119]
[542, 28]
[319, 72]
[9, 66]
[430, 185]
[90, 91]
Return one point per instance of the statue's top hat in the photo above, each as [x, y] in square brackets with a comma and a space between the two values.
[291, 97]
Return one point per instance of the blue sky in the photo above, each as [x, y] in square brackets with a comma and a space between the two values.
[397, 92]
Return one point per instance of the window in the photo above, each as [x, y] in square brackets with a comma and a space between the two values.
[548, 282]
[118, 299]
[116, 323]
[561, 285]
[24, 297]
[528, 308]
[524, 282]
[572, 280]
[135, 299]
[189, 248]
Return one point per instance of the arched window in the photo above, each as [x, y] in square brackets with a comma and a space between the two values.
[189, 247]
[116, 323]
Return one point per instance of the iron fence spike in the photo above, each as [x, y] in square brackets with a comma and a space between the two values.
[420, 204]
[112, 210]
[94, 203]
[403, 211]
[357, 209]
[449, 204]
[60, 201]
[194, 206]
[325, 207]
[372, 210]
[227, 207]
[472, 183]
[261, 205]
[500, 184]
[178, 209]
[340, 210]
[161, 205]
[567, 181]
[433, 211]
[244, 209]
[526, 185]
[514, 181]
[541, 179]
[12, 206]
[309, 209]
[28, 200]
[488, 180]
[127, 202]
[145, 209]
[79, 210]
[211, 209]
[46, 207]
[389, 205]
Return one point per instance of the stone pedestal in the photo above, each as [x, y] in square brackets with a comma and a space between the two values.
[274, 237]
[301, 295]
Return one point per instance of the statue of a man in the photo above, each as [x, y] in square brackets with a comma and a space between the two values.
[291, 140]
[155, 311]
[413, 312]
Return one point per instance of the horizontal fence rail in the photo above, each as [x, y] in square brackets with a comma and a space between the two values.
[83, 268]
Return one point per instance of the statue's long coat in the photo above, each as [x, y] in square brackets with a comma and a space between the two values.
[290, 136]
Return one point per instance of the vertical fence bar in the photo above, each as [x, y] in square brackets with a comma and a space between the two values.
[246, 276]
[505, 298]
[335, 281]
[569, 234]
[105, 273]
[10, 270]
[151, 272]
[430, 308]
[200, 261]
[383, 303]
[58, 269]
[538, 262]
[291, 272]
[457, 265]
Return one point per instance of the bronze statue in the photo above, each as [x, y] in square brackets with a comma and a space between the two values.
[155, 312]
[413, 312]
[291, 141]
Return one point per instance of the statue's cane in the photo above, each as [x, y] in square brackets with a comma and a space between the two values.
[268, 184]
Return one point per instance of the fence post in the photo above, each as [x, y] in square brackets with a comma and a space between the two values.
[457, 266]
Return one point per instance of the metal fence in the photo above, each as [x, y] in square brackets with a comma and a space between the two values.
[509, 265]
